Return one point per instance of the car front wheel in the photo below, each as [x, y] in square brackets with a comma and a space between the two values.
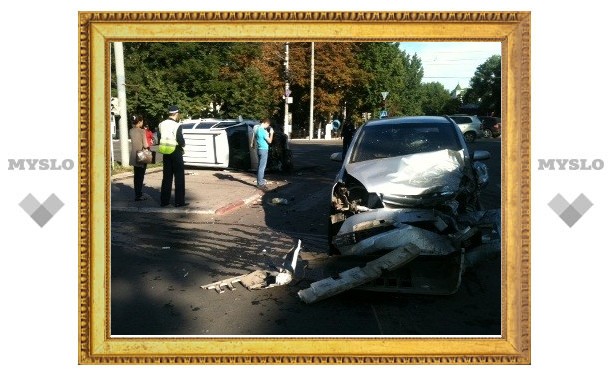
[487, 133]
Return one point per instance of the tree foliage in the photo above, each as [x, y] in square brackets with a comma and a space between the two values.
[436, 99]
[222, 79]
[485, 86]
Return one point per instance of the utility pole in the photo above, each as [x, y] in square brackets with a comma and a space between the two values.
[287, 91]
[123, 128]
[113, 126]
[311, 122]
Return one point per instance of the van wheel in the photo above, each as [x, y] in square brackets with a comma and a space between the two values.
[469, 136]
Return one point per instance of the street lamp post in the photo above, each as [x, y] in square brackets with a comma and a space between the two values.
[311, 121]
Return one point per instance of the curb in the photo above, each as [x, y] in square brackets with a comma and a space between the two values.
[236, 205]
[133, 209]
[168, 210]
[131, 173]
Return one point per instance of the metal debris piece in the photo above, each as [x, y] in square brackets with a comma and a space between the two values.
[433, 243]
[279, 201]
[358, 276]
[262, 279]
[220, 286]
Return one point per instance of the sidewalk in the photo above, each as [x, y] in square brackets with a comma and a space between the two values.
[207, 191]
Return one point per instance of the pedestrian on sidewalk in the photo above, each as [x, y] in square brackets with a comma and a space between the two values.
[139, 142]
[151, 139]
[171, 143]
[263, 138]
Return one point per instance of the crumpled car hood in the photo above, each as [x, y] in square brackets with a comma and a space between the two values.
[429, 172]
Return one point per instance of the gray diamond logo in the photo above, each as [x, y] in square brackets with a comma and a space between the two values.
[41, 213]
[570, 213]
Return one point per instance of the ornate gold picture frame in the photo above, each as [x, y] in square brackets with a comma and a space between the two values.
[98, 29]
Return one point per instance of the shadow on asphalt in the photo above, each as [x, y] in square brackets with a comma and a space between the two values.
[168, 274]
[223, 176]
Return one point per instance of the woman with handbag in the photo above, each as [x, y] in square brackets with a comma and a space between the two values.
[140, 155]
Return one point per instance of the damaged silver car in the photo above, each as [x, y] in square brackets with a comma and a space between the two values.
[409, 185]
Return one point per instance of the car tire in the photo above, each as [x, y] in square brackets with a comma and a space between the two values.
[470, 136]
[487, 133]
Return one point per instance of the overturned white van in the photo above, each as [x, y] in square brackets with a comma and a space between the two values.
[225, 143]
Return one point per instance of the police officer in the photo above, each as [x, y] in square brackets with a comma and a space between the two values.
[171, 143]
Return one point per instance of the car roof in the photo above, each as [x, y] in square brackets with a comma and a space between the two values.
[198, 120]
[218, 123]
[408, 119]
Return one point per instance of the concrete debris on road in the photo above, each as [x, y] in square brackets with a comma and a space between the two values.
[262, 279]
[279, 201]
[405, 243]
[358, 276]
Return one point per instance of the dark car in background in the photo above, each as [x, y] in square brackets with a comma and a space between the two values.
[491, 126]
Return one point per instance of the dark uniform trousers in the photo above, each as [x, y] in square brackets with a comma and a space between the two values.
[139, 174]
[174, 167]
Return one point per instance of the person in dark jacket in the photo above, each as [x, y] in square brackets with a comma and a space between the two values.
[139, 141]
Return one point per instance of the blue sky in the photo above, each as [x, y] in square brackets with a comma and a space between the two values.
[451, 63]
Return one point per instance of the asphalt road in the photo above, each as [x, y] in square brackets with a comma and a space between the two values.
[160, 261]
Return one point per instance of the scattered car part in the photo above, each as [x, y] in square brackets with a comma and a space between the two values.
[262, 279]
[358, 276]
[427, 270]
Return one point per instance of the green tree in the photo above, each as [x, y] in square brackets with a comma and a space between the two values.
[336, 71]
[224, 79]
[389, 69]
[204, 79]
[485, 86]
[435, 99]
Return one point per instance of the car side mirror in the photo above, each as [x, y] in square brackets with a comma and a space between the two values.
[336, 156]
[479, 155]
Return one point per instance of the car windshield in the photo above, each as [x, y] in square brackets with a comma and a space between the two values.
[460, 119]
[385, 141]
